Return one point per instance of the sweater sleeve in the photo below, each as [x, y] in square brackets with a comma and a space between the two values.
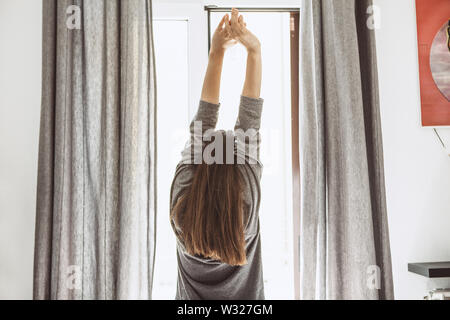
[206, 117]
[247, 128]
[250, 110]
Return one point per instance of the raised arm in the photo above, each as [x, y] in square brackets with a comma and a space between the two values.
[211, 82]
[252, 84]
[222, 39]
[207, 113]
[250, 108]
[209, 102]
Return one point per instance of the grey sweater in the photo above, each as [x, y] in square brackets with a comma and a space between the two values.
[203, 278]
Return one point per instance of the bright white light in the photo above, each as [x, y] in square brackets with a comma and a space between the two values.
[173, 118]
[171, 52]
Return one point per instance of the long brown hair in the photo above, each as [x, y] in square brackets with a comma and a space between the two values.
[210, 213]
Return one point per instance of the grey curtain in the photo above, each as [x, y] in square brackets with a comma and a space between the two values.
[344, 245]
[96, 203]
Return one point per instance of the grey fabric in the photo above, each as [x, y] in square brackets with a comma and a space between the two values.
[344, 228]
[203, 278]
[96, 195]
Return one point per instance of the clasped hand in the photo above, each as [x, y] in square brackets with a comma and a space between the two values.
[231, 31]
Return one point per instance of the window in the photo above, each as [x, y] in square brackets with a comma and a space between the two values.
[171, 54]
[181, 47]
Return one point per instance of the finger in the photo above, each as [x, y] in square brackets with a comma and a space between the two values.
[222, 22]
[227, 22]
[228, 31]
[234, 15]
[241, 20]
[234, 21]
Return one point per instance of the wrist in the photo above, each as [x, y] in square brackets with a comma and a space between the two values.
[254, 54]
[254, 51]
[216, 53]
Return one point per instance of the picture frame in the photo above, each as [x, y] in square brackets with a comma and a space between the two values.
[433, 34]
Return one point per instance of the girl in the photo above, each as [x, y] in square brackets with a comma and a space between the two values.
[214, 204]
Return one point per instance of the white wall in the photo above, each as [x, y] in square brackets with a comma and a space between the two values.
[417, 168]
[20, 96]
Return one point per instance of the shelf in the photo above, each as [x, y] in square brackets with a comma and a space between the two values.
[431, 269]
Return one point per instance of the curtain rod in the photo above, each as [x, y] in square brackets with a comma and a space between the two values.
[213, 8]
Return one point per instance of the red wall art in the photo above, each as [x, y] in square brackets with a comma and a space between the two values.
[433, 33]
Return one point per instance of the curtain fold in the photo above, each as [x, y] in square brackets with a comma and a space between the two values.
[96, 196]
[344, 238]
